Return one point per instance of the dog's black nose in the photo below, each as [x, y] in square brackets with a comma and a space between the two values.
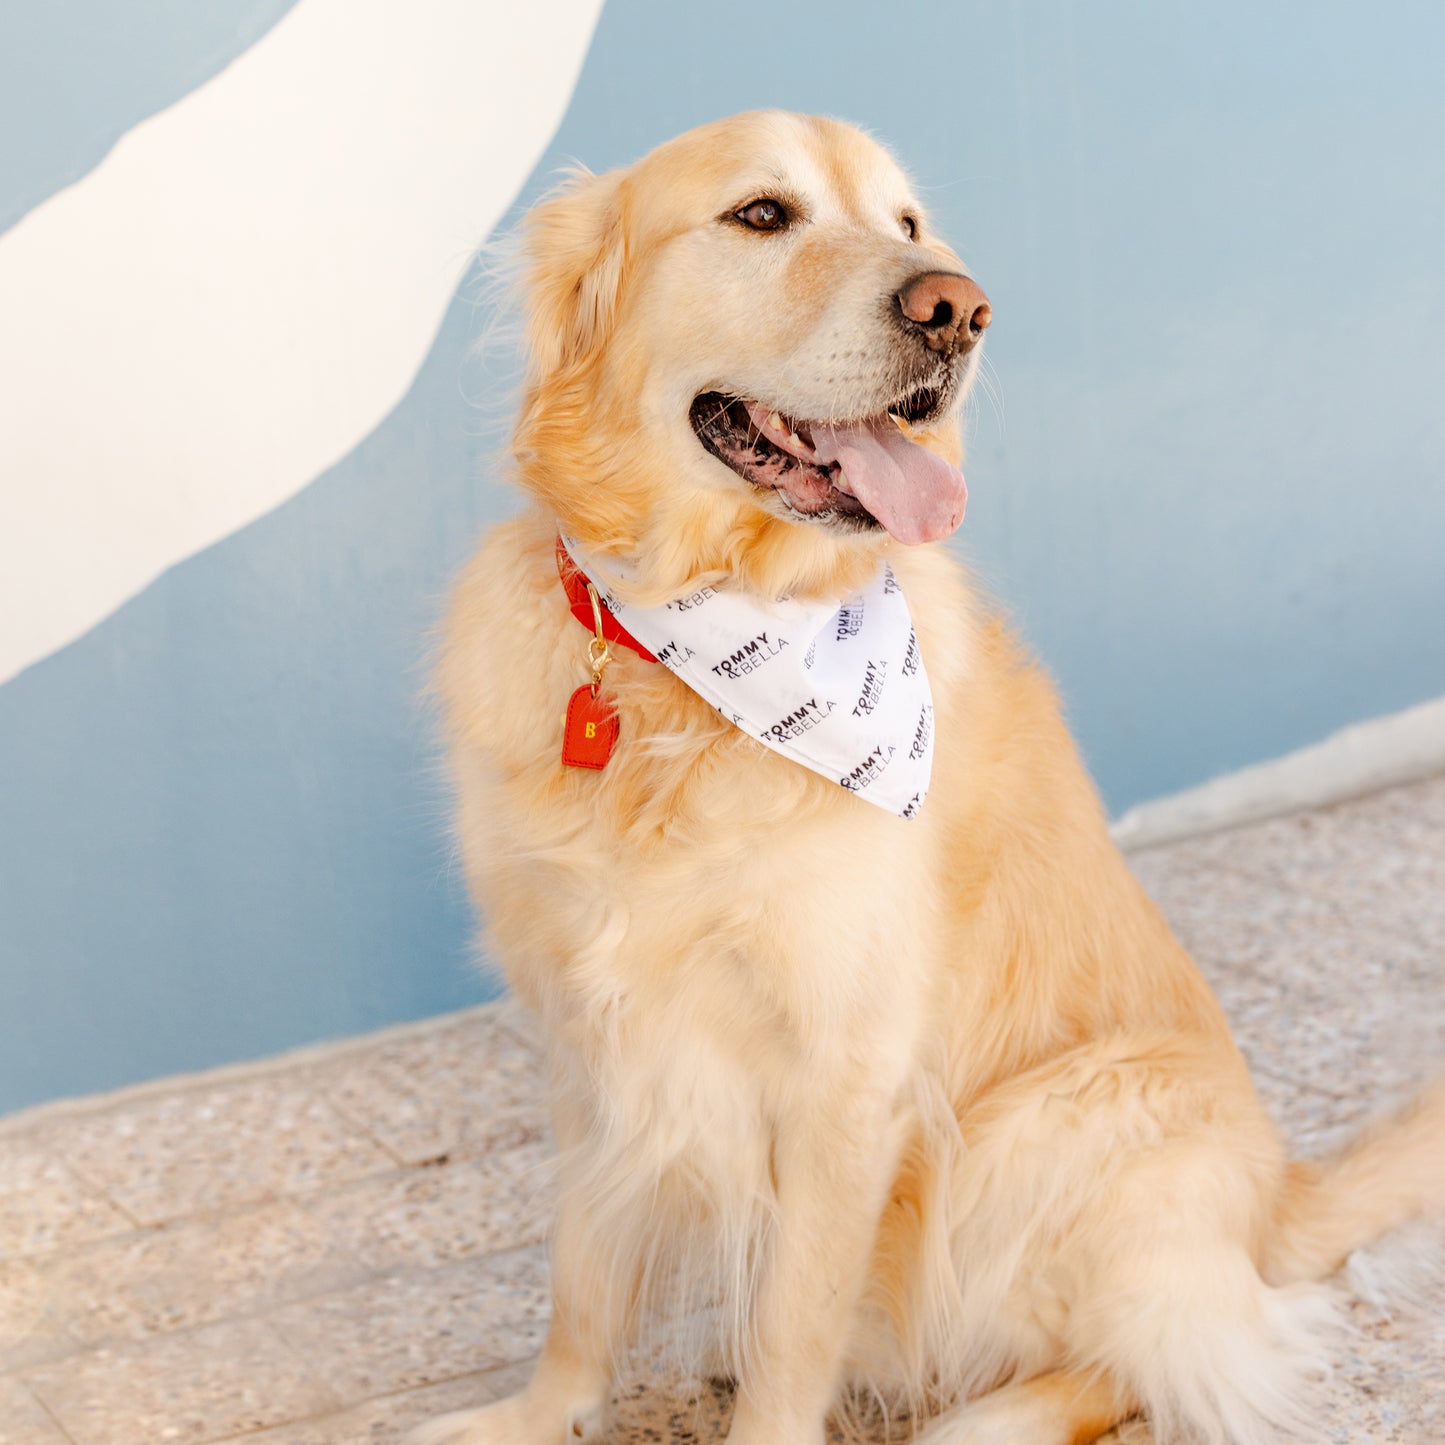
[949, 311]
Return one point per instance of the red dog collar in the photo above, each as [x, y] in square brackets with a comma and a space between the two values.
[575, 586]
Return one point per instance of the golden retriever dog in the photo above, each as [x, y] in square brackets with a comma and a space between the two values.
[922, 1101]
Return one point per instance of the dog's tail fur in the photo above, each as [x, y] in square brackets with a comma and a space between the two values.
[1392, 1173]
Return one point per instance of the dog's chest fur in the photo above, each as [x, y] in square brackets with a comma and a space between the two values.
[697, 925]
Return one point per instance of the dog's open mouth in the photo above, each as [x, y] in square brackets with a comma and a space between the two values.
[857, 476]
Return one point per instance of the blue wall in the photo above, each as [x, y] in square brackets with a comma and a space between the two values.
[75, 75]
[1210, 490]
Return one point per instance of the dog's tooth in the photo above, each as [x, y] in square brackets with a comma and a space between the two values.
[796, 440]
[775, 421]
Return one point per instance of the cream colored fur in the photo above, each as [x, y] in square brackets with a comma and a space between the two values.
[934, 1107]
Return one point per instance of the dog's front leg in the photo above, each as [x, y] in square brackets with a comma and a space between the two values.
[565, 1401]
[834, 1158]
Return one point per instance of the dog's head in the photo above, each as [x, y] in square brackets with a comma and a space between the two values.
[746, 354]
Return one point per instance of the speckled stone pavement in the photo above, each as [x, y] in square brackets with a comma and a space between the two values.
[330, 1247]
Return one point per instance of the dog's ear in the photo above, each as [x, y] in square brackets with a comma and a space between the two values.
[574, 259]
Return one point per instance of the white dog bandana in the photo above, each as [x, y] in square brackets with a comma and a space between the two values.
[836, 686]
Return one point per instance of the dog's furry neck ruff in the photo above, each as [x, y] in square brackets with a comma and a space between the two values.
[837, 685]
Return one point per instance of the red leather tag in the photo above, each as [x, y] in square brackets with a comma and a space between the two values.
[591, 729]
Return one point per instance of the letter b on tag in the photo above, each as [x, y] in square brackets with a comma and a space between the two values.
[590, 732]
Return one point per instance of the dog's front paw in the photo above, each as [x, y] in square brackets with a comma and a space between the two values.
[522, 1420]
[504, 1423]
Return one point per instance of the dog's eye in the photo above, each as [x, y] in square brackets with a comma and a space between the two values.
[910, 226]
[764, 215]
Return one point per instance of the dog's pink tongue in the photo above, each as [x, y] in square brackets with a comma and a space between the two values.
[916, 495]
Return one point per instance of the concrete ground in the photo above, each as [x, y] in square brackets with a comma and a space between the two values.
[330, 1247]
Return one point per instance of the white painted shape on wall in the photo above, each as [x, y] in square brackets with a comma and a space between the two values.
[249, 283]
